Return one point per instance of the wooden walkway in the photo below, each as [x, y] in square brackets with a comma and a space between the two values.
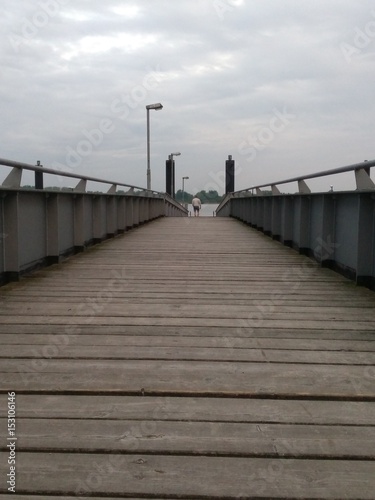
[193, 359]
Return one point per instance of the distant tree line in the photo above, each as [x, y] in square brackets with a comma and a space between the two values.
[205, 196]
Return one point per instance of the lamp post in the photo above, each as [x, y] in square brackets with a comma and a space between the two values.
[183, 188]
[172, 172]
[156, 107]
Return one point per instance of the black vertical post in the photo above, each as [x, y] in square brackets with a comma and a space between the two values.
[38, 177]
[229, 175]
[173, 180]
[168, 177]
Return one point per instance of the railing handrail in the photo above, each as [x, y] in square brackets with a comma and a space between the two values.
[174, 202]
[324, 173]
[36, 168]
[362, 177]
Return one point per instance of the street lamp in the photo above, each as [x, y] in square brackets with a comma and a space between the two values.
[183, 188]
[156, 107]
[172, 172]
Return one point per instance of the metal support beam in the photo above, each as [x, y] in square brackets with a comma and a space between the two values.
[111, 213]
[52, 212]
[79, 223]
[303, 188]
[363, 180]
[301, 238]
[287, 215]
[81, 186]
[11, 242]
[365, 272]
[98, 216]
[13, 180]
[112, 189]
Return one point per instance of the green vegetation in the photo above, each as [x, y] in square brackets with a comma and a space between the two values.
[204, 196]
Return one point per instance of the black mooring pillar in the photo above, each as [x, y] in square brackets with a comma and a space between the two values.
[38, 178]
[229, 175]
[169, 178]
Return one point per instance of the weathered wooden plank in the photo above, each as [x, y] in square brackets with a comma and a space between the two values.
[202, 283]
[125, 297]
[224, 332]
[109, 320]
[214, 477]
[224, 353]
[245, 289]
[193, 409]
[31, 340]
[195, 438]
[262, 310]
[187, 378]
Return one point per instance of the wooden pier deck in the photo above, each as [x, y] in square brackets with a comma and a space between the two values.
[190, 358]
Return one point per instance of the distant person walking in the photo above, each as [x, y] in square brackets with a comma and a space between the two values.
[196, 202]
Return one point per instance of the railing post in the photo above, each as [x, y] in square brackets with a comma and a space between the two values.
[326, 245]
[53, 227]
[135, 211]
[302, 224]
[161, 208]
[142, 210]
[148, 202]
[98, 218]
[129, 212]
[121, 216]
[276, 218]
[259, 213]
[287, 221]
[11, 240]
[79, 223]
[365, 269]
[111, 217]
[267, 215]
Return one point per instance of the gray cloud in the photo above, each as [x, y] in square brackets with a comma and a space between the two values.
[225, 71]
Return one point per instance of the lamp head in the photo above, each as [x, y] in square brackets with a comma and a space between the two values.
[175, 154]
[155, 106]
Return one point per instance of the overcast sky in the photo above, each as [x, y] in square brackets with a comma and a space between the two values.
[284, 86]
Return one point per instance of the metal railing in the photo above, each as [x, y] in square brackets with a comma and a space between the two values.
[362, 179]
[335, 228]
[39, 226]
[13, 180]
